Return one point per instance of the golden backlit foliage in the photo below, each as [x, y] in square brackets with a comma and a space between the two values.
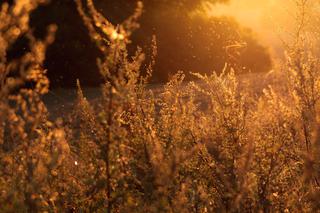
[212, 145]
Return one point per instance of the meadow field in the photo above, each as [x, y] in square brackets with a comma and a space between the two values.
[220, 142]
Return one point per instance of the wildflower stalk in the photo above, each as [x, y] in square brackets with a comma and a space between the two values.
[109, 140]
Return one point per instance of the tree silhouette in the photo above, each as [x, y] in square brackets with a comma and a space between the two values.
[185, 41]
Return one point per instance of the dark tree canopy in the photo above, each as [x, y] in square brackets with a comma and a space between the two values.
[185, 42]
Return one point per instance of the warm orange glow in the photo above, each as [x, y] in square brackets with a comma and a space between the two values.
[269, 19]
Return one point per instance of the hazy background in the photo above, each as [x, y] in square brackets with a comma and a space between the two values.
[246, 34]
[271, 20]
[266, 18]
[186, 40]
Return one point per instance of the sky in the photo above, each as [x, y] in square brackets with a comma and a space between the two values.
[271, 20]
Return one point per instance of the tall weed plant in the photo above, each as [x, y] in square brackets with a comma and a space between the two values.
[211, 145]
